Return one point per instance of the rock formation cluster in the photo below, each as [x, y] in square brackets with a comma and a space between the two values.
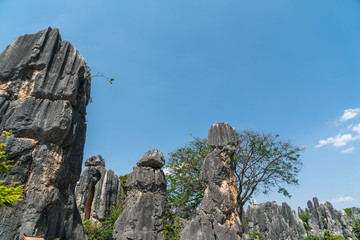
[44, 92]
[98, 190]
[280, 222]
[218, 216]
[324, 217]
[146, 201]
[275, 222]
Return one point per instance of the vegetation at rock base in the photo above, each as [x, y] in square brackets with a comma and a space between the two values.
[323, 219]
[256, 236]
[356, 229]
[104, 230]
[8, 193]
[348, 212]
[262, 162]
[123, 180]
[305, 218]
[327, 236]
[172, 229]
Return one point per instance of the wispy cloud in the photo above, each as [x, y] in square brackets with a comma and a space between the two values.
[356, 128]
[342, 199]
[339, 141]
[349, 114]
[348, 150]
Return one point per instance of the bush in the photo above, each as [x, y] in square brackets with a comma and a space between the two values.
[256, 236]
[104, 229]
[329, 236]
[305, 218]
[312, 238]
[356, 229]
[348, 212]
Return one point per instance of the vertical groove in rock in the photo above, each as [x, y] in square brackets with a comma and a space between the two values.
[97, 190]
[44, 104]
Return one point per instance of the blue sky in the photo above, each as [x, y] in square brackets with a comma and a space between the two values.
[286, 67]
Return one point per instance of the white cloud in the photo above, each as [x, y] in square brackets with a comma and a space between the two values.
[348, 150]
[356, 128]
[339, 141]
[349, 114]
[342, 199]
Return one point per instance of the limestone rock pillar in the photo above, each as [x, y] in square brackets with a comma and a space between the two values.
[44, 92]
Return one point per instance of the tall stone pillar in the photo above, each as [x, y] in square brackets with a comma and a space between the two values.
[44, 91]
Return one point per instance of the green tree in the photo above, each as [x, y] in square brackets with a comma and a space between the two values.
[8, 193]
[184, 167]
[262, 162]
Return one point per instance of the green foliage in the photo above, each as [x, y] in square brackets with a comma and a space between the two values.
[261, 161]
[305, 218]
[329, 236]
[356, 228]
[172, 230]
[8, 193]
[312, 238]
[348, 212]
[323, 219]
[256, 236]
[104, 230]
[185, 191]
[123, 180]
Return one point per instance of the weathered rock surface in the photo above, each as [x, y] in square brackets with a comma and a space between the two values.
[43, 96]
[275, 222]
[98, 190]
[218, 216]
[146, 201]
[324, 217]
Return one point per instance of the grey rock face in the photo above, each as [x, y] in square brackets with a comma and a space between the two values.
[153, 158]
[145, 204]
[98, 190]
[218, 216]
[43, 98]
[275, 222]
[324, 217]
[355, 212]
[222, 134]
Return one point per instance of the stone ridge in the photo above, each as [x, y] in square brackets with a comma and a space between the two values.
[44, 92]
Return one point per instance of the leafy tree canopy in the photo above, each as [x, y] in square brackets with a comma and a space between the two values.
[262, 162]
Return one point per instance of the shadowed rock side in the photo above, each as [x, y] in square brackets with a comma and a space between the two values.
[43, 98]
[98, 190]
[218, 217]
[146, 202]
[275, 222]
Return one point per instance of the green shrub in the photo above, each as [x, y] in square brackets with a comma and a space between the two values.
[104, 229]
[256, 235]
[323, 219]
[172, 230]
[123, 180]
[348, 212]
[329, 236]
[312, 238]
[356, 229]
[305, 218]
